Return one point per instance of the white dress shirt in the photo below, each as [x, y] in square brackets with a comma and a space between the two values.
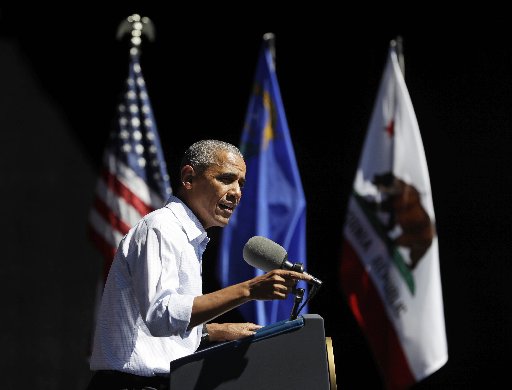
[147, 301]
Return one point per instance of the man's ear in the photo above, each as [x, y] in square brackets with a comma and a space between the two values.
[187, 175]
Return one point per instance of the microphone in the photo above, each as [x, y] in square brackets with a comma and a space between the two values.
[265, 254]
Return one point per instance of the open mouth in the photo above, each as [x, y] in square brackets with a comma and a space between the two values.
[226, 207]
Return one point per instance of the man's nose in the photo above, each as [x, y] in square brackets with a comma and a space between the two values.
[236, 191]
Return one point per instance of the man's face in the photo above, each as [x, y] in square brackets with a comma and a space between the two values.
[217, 191]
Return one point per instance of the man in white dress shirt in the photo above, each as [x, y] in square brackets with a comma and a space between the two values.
[153, 310]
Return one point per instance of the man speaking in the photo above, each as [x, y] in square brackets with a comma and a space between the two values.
[153, 310]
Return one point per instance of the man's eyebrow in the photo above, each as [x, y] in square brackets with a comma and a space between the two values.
[230, 176]
[227, 175]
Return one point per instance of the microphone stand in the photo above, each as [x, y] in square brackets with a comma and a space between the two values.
[299, 293]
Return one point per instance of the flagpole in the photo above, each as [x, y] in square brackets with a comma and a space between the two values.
[270, 40]
[398, 45]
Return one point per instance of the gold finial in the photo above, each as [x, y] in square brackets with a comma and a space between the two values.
[136, 26]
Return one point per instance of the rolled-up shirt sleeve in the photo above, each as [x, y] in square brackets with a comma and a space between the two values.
[166, 279]
[148, 296]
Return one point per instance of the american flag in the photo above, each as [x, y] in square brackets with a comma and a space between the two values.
[133, 179]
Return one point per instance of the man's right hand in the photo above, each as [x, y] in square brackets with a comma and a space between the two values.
[275, 284]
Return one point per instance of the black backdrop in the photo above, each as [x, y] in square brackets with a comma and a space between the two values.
[61, 70]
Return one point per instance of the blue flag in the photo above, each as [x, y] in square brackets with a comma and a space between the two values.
[273, 203]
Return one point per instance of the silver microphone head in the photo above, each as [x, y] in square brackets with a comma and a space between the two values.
[264, 254]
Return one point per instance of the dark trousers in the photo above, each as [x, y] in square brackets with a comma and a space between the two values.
[117, 380]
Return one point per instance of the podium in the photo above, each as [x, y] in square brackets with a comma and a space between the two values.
[289, 354]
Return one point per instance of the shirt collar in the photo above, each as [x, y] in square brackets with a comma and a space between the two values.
[191, 225]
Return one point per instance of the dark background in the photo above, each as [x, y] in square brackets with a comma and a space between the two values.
[61, 70]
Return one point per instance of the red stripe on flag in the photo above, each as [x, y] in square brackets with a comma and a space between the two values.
[120, 189]
[105, 248]
[368, 309]
[109, 216]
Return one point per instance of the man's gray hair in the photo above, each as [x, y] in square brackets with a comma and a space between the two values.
[202, 154]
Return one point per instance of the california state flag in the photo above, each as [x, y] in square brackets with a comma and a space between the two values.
[390, 260]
